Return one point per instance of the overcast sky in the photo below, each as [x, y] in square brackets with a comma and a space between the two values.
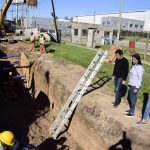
[72, 8]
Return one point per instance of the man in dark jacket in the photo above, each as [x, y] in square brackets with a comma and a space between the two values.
[120, 74]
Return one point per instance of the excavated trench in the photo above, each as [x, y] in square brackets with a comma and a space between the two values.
[94, 125]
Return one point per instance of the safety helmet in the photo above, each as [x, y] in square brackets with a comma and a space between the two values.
[7, 137]
[10, 73]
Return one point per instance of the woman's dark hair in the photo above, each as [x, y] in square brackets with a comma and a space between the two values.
[137, 56]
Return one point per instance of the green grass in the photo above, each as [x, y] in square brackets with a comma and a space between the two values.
[127, 53]
[73, 54]
[83, 56]
[136, 38]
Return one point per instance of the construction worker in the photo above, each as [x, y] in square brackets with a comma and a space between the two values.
[11, 86]
[42, 43]
[32, 40]
[7, 141]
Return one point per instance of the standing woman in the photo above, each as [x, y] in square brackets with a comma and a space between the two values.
[135, 79]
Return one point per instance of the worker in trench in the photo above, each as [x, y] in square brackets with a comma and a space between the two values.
[11, 83]
[7, 141]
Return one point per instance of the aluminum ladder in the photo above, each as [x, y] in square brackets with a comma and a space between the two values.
[62, 120]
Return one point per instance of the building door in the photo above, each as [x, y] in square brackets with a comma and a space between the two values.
[90, 37]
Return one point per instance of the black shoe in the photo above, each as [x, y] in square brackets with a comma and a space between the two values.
[115, 106]
[113, 103]
[129, 115]
[126, 112]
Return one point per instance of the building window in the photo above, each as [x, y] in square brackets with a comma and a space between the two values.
[141, 26]
[97, 31]
[52, 31]
[76, 32]
[108, 22]
[123, 25]
[84, 32]
[104, 22]
[131, 25]
[106, 33]
[136, 26]
[115, 23]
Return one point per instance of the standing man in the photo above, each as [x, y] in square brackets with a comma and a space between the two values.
[120, 74]
[42, 43]
[32, 40]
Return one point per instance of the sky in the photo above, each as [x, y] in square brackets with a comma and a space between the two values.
[71, 8]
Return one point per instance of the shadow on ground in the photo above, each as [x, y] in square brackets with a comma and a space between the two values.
[98, 84]
[54, 144]
[123, 144]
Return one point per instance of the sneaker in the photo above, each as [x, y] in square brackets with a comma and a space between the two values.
[112, 103]
[126, 112]
[141, 122]
[144, 121]
[129, 115]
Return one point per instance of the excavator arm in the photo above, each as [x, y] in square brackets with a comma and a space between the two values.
[3, 13]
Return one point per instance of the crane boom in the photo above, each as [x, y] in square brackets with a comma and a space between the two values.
[3, 13]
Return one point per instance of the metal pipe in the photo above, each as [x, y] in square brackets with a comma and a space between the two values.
[14, 77]
[10, 56]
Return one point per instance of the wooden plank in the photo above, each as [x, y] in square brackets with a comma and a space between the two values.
[26, 62]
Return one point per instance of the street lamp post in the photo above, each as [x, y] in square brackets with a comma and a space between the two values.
[56, 31]
[16, 12]
[119, 23]
[146, 48]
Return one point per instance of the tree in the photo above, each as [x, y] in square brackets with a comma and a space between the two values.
[66, 18]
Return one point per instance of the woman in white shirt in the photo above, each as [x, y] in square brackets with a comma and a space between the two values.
[135, 79]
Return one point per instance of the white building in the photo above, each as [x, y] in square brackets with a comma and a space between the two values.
[48, 24]
[135, 15]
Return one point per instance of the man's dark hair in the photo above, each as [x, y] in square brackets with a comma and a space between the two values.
[119, 51]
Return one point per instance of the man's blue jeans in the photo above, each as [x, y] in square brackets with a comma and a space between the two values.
[132, 98]
[118, 85]
[147, 110]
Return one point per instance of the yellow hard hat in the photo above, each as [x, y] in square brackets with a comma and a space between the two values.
[10, 73]
[7, 137]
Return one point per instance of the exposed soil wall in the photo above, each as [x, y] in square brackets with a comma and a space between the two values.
[92, 126]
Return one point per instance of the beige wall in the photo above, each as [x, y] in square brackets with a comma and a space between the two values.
[95, 34]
